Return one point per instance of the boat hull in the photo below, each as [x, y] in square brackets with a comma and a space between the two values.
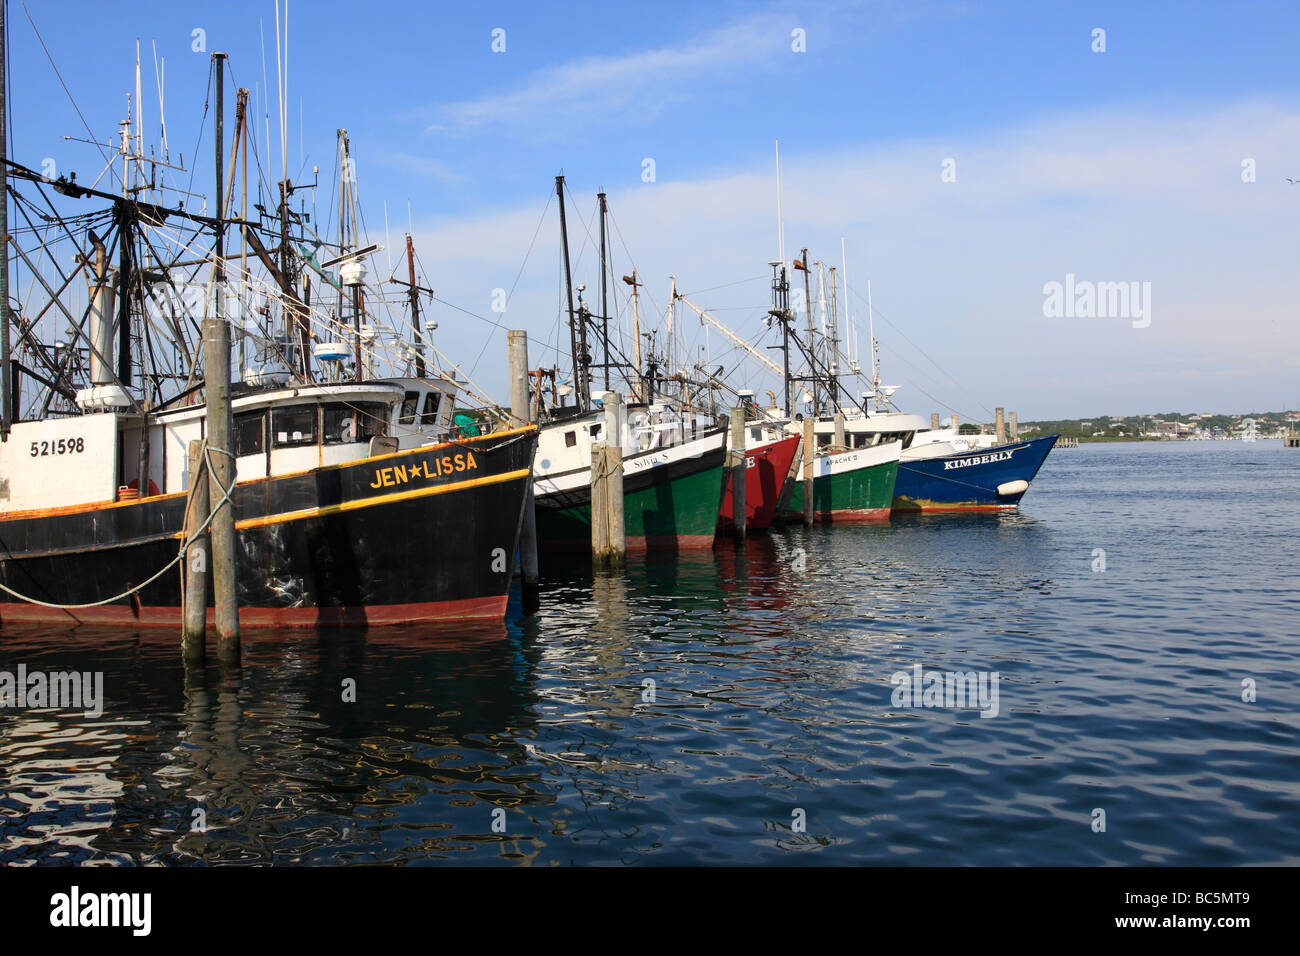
[766, 469]
[671, 499]
[849, 487]
[969, 481]
[421, 535]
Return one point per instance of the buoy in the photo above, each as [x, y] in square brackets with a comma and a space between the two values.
[1017, 487]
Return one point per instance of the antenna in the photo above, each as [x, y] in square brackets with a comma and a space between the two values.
[780, 227]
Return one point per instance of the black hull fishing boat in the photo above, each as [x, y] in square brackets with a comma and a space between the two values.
[426, 534]
[356, 495]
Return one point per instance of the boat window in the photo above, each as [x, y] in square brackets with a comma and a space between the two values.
[294, 426]
[347, 422]
[570, 439]
[432, 400]
[250, 433]
[410, 402]
[595, 430]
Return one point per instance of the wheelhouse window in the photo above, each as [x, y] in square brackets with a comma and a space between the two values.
[250, 433]
[346, 422]
[570, 439]
[432, 401]
[410, 404]
[293, 427]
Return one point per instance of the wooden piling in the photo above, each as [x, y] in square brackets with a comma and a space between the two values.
[221, 476]
[956, 424]
[809, 454]
[839, 432]
[1015, 428]
[599, 505]
[195, 598]
[738, 471]
[615, 527]
[1000, 416]
[521, 411]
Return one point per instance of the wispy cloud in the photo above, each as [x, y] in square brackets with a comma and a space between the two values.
[642, 81]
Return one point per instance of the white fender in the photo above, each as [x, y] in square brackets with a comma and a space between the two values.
[1017, 487]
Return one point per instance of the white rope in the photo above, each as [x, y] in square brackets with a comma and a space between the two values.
[226, 495]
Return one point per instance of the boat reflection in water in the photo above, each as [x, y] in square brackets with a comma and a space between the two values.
[345, 747]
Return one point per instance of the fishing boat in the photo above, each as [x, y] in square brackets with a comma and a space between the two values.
[770, 455]
[672, 481]
[673, 454]
[356, 499]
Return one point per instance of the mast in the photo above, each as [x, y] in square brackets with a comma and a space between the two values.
[579, 384]
[781, 312]
[802, 265]
[415, 309]
[604, 310]
[638, 387]
[871, 331]
[780, 227]
[6, 399]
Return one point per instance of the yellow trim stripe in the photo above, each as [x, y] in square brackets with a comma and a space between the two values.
[379, 500]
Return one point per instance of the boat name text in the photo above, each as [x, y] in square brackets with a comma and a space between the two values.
[981, 460]
[429, 468]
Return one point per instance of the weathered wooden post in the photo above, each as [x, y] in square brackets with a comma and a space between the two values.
[1015, 428]
[839, 431]
[809, 454]
[956, 424]
[934, 421]
[738, 472]
[221, 482]
[599, 504]
[1001, 427]
[521, 411]
[195, 600]
[615, 528]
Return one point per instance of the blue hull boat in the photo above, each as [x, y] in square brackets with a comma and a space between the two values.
[989, 479]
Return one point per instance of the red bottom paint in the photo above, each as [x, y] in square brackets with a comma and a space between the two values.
[852, 516]
[470, 609]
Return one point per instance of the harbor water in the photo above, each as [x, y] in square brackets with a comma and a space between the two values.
[1134, 630]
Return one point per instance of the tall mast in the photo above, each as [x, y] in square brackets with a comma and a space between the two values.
[6, 399]
[415, 309]
[579, 379]
[781, 312]
[832, 358]
[851, 337]
[871, 331]
[604, 310]
[802, 265]
[638, 387]
[780, 227]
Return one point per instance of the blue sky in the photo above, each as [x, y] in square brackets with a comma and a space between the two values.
[1122, 165]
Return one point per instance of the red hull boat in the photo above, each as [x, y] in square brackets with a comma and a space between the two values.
[766, 468]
